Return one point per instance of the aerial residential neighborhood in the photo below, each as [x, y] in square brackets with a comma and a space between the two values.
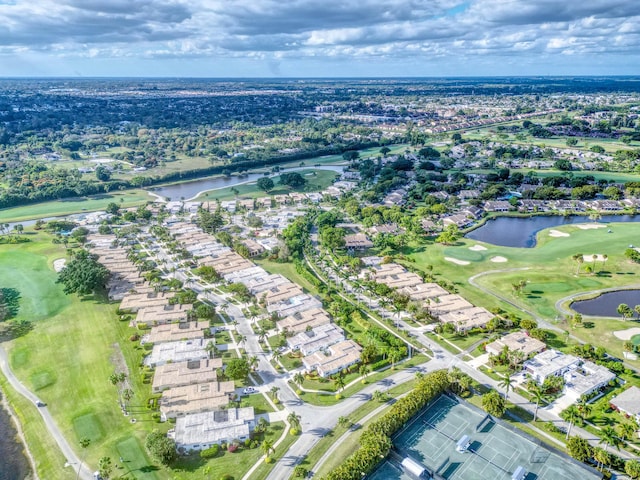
[319, 240]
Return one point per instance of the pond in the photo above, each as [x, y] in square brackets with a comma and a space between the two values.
[606, 305]
[521, 232]
[14, 464]
[191, 189]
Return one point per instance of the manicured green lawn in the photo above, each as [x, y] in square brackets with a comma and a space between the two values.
[317, 180]
[68, 356]
[550, 270]
[235, 464]
[126, 198]
[550, 273]
[49, 460]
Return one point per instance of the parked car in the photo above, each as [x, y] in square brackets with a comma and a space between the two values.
[249, 391]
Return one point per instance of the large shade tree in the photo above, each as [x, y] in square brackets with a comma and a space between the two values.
[83, 275]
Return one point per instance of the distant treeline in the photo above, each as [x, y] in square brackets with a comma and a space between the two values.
[71, 186]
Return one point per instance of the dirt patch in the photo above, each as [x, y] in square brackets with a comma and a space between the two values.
[558, 233]
[593, 258]
[627, 334]
[456, 261]
[590, 226]
[59, 264]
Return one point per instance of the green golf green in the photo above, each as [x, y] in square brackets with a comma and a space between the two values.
[635, 340]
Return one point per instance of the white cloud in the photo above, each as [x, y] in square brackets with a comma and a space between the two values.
[453, 31]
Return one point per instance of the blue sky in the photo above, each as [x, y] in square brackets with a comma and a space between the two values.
[332, 38]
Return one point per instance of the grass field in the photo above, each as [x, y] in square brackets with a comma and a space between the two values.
[127, 198]
[550, 275]
[317, 180]
[69, 350]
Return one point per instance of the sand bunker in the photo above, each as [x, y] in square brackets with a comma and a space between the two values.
[627, 334]
[59, 264]
[456, 261]
[498, 259]
[590, 226]
[593, 258]
[477, 248]
[557, 233]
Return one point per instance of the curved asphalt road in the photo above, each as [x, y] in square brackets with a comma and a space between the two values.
[67, 451]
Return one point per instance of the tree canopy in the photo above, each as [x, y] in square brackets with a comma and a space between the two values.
[161, 447]
[265, 183]
[83, 275]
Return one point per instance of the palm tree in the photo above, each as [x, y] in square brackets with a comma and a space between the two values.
[579, 258]
[571, 414]
[344, 422]
[262, 335]
[211, 349]
[601, 457]
[242, 340]
[608, 437]
[379, 396]
[624, 310]
[84, 443]
[276, 356]
[105, 467]
[395, 354]
[626, 430]
[294, 420]
[274, 393]
[538, 395]
[127, 394]
[507, 384]
[364, 371]
[254, 362]
[338, 379]
[267, 447]
[637, 310]
[605, 257]
[454, 375]
[298, 378]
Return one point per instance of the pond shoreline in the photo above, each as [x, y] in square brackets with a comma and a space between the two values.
[14, 422]
[521, 230]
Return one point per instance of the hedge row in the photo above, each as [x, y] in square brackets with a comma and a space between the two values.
[375, 441]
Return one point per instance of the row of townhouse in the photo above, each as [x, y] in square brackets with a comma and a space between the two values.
[449, 308]
[183, 371]
[296, 310]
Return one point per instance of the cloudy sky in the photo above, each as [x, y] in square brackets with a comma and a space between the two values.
[330, 38]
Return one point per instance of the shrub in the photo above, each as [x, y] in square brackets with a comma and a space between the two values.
[233, 448]
[210, 452]
[226, 476]
[247, 443]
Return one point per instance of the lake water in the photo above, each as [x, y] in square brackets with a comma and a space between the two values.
[521, 232]
[13, 463]
[191, 189]
[606, 305]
